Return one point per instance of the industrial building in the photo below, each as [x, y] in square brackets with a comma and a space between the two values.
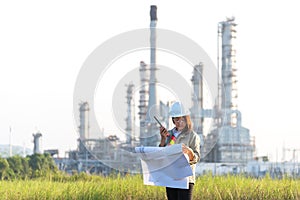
[227, 142]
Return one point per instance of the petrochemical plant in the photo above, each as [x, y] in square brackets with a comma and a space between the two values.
[227, 148]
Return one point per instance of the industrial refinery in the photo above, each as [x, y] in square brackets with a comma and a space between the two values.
[228, 147]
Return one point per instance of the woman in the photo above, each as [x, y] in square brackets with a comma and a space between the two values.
[182, 133]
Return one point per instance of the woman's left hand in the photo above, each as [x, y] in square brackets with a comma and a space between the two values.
[188, 151]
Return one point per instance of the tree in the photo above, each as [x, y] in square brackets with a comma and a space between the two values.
[19, 166]
[41, 165]
[15, 163]
[4, 168]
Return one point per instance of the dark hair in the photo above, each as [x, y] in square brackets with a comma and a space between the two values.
[189, 124]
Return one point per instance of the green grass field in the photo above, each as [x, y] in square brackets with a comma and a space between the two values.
[131, 187]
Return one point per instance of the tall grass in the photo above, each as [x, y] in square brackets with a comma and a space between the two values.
[80, 187]
[131, 187]
[238, 187]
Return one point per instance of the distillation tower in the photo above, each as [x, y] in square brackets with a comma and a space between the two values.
[228, 141]
[144, 96]
[197, 101]
[228, 88]
[130, 119]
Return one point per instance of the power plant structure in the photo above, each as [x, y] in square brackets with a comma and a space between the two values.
[227, 142]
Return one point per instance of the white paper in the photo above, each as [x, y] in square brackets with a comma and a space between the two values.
[165, 166]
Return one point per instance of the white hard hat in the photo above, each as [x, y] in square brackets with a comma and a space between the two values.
[177, 110]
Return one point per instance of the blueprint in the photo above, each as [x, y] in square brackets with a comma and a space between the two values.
[165, 166]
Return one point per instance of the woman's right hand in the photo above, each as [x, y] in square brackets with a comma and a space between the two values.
[163, 132]
[163, 135]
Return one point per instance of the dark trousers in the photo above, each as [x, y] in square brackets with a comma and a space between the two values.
[180, 194]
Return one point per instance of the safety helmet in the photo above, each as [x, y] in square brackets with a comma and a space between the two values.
[177, 110]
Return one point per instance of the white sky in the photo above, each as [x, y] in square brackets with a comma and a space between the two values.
[43, 45]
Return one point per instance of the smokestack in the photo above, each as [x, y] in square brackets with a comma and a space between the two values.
[84, 125]
[153, 13]
[152, 81]
[36, 142]
[152, 136]
[84, 120]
